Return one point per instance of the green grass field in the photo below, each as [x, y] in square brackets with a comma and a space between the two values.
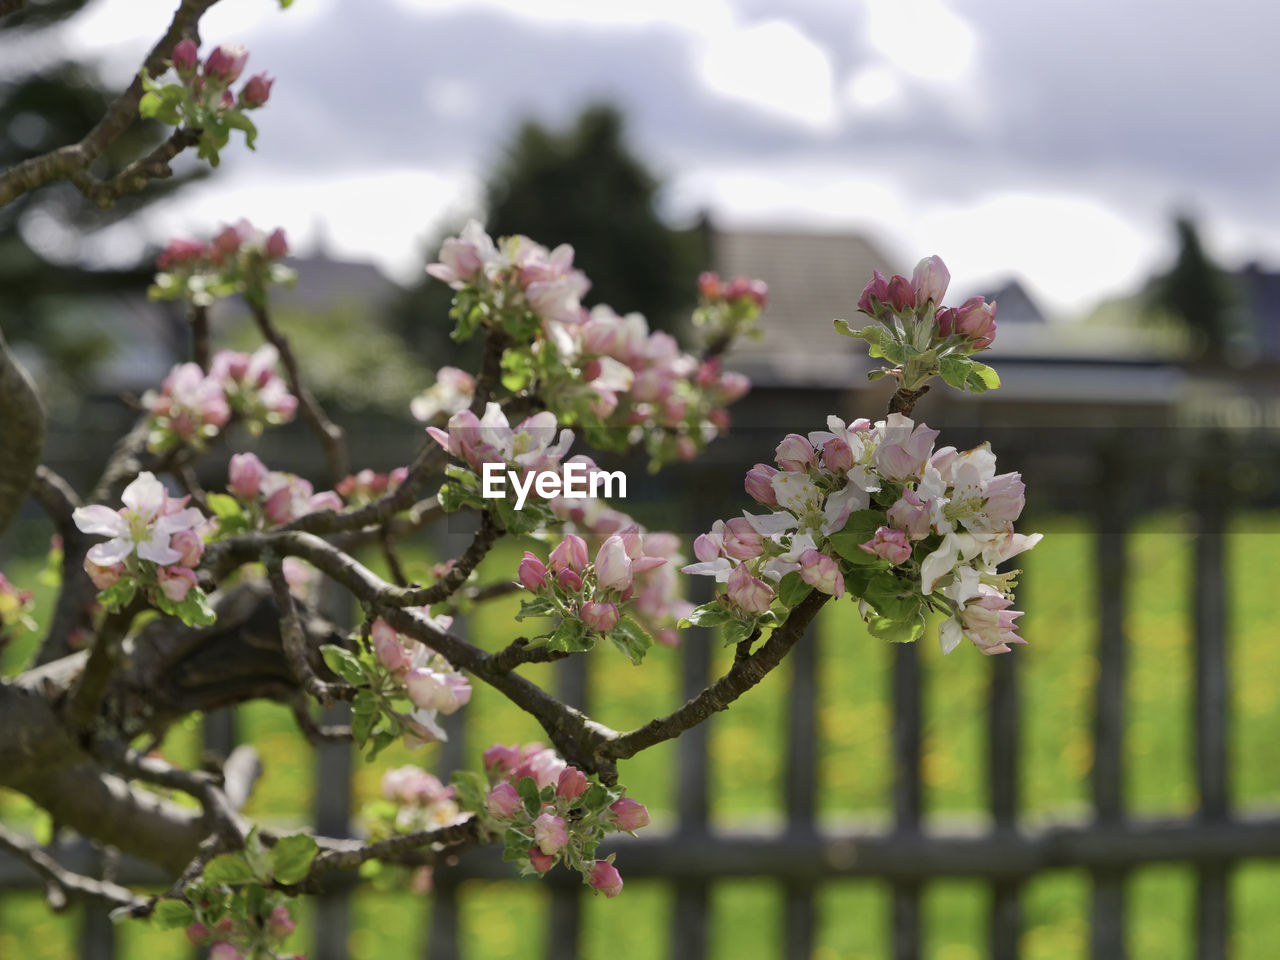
[1058, 671]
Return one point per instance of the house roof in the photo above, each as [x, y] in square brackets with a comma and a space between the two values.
[813, 278]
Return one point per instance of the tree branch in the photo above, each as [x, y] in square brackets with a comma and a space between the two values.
[60, 879]
[135, 177]
[73, 159]
[21, 434]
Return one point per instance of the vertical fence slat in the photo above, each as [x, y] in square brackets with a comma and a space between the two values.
[332, 812]
[800, 916]
[689, 917]
[443, 937]
[907, 800]
[1209, 591]
[564, 928]
[1002, 745]
[1111, 566]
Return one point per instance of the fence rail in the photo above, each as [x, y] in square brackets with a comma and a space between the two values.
[1004, 852]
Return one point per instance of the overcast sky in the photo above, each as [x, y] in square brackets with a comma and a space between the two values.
[1047, 140]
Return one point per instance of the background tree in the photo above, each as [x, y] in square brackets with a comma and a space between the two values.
[1198, 293]
[584, 186]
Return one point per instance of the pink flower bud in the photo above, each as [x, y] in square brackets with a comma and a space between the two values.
[280, 925]
[821, 572]
[532, 573]
[911, 515]
[387, 646]
[733, 386]
[758, 485]
[571, 554]
[741, 540]
[176, 582]
[748, 593]
[256, 91]
[226, 243]
[185, 56]
[104, 577]
[550, 834]
[606, 879]
[572, 783]
[709, 285]
[189, 544]
[500, 760]
[794, 453]
[930, 279]
[179, 252]
[277, 244]
[613, 566]
[876, 290]
[541, 862]
[226, 63]
[224, 951]
[601, 617]
[502, 801]
[837, 455]
[975, 319]
[629, 815]
[901, 293]
[197, 932]
[420, 882]
[570, 581]
[888, 544]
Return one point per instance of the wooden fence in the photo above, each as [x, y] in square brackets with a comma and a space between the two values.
[910, 855]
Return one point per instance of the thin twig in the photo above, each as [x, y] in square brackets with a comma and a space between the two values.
[330, 434]
[135, 177]
[346, 855]
[60, 878]
[294, 639]
[200, 348]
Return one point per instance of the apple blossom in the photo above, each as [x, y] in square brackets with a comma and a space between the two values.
[549, 834]
[502, 801]
[606, 879]
[629, 815]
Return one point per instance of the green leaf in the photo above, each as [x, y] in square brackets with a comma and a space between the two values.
[291, 858]
[516, 845]
[708, 615]
[119, 595]
[897, 631]
[470, 788]
[736, 631]
[364, 714]
[149, 104]
[537, 607]
[892, 598]
[194, 610]
[238, 121]
[974, 383]
[792, 589]
[878, 374]
[343, 663]
[632, 639]
[530, 795]
[988, 376]
[954, 370]
[171, 914]
[381, 740]
[870, 333]
[224, 505]
[228, 868]
[860, 527]
[571, 636]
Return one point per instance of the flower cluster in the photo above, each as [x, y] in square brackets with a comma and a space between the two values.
[587, 596]
[366, 486]
[875, 511]
[919, 336]
[450, 394]
[192, 407]
[16, 606]
[530, 448]
[594, 368]
[726, 310]
[239, 259]
[265, 498]
[154, 545]
[611, 371]
[277, 928]
[549, 812]
[202, 99]
[658, 603]
[423, 676]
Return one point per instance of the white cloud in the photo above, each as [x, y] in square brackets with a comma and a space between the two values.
[703, 17]
[921, 38]
[774, 67]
